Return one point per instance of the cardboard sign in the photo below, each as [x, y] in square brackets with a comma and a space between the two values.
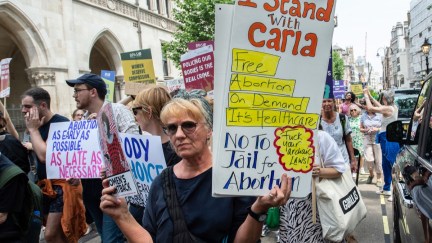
[146, 158]
[117, 167]
[138, 70]
[109, 78]
[175, 84]
[198, 68]
[4, 77]
[73, 150]
[198, 44]
[357, 89]
[339, 89]
[272, 81]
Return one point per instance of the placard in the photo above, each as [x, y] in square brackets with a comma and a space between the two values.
[198, 68]
[146, 159]
[271, 93]
[198, 44]
[4, 77]
[117, 167]
[175, 84]
[138, 70]
[109, 78]
[73, 150]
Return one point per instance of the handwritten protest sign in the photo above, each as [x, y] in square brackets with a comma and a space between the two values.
[109, 78]
[4, 77]
[198, 69]
[198, 44]
[146, 158]
[357, 89]
[272, 75]
[175, 84]
[138, 70]
[117, 167]
[73, 150]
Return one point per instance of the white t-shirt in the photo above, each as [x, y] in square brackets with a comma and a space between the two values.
[329, 152]
[335, 130]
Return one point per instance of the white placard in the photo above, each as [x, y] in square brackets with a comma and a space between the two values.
[271, 95]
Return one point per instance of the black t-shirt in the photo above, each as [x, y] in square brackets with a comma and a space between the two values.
[171, 158]
[44, 130]
[209, 218]
[15, 151]
[12, 196]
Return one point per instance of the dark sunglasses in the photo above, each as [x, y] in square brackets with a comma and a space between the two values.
[353, 110]
[187, 127]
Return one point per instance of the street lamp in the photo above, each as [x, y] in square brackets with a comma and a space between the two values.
[425, 48]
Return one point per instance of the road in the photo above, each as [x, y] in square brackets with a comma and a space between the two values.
[376, 227]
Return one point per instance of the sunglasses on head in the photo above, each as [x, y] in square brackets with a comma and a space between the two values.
[187, 127]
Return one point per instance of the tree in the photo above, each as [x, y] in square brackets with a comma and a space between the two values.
[338, 66]
[197, 23]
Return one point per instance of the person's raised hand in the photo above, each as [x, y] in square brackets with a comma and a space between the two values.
[278, 196]
[110, 204]
[32, 120]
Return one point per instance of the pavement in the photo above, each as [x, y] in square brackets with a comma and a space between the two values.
[382, 233]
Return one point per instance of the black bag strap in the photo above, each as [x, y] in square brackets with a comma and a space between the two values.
[181, 233]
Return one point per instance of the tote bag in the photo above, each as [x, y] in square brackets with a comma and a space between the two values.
[340, 206]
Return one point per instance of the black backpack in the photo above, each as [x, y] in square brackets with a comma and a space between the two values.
[33, 198]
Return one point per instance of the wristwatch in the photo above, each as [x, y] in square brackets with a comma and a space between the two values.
[260, 217]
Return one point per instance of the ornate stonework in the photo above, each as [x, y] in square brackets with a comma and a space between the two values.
[41, 78]
[130, 11]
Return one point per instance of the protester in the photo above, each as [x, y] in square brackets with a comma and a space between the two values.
[89, 94]
[12, 206]
[344, 108]
[188, 123]
[12, 148]
[389, 150]
[338, 127]
[370, 125]
[147, 108]
[356, 135]
[10, 128]
[296, 223]
[61, 201]
[77, 114]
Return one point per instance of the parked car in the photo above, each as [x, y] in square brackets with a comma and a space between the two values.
[412, 211]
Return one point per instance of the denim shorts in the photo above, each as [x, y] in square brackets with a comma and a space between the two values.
[54, 205]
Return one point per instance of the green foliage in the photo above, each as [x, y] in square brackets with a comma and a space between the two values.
[338, 66]
[197, 23]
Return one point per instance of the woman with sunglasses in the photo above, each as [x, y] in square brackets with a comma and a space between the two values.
[188, 123]
[357, 136]
[147, 108]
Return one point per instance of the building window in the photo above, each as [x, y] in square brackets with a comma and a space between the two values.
[164, 62]
[398, 60]
[168, 12]
[429, 28]
[158, 7]
[398, 68]
[420, 35]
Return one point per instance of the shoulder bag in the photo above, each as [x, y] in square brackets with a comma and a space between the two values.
[181, 233]
[340, 205]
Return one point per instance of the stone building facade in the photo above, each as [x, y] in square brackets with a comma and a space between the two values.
[50, 41]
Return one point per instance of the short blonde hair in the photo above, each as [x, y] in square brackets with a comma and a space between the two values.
[356, 107]
[153, 96]
[178, 107]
